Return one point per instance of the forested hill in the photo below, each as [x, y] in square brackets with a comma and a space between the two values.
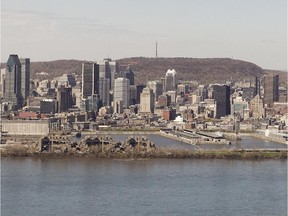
[209, 70]
[204, 70]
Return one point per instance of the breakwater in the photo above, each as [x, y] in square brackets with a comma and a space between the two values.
[18, 150]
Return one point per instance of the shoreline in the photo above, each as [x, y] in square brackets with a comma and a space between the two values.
[143, 150]
[251, 154]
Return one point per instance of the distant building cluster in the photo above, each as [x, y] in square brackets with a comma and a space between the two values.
[105, 96]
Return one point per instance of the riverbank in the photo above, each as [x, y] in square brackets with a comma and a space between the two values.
[254, 154]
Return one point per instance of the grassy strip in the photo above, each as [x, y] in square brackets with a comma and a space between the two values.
[22, 151]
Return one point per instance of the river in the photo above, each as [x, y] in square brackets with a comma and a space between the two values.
[82, 186]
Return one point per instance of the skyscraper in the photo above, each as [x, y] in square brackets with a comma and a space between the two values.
[170, 80]
[221, 95]
[104, 84]
[257, 85]
[12, 83]
[147, 101]
[133, 94]
[64, 98]
[114, 70]
[122, 91]
[25, 77]
[104, 70]
[104, 81]
[108, 69]
[271, 86]
[90, 79]
[157, 88]
[129, 74]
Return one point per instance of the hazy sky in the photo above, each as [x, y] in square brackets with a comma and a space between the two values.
[252, 30]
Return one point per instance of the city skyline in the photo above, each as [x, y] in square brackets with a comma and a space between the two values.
[254, 31]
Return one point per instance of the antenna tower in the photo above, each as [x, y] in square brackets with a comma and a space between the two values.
[156, 49]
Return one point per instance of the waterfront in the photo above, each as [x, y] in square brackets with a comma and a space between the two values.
[85, 186]
[129, 146]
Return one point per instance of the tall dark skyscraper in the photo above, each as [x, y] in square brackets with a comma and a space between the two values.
[129, 74]
[257, 85]
[12, 83]
[25, 77]
[104, 70]
[64, 98]
[271, 86]
[221, 94]
[90, 79]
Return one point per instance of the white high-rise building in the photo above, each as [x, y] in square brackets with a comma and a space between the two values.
[170, 80]
[157, 88]
[122, 91]
[147, 101]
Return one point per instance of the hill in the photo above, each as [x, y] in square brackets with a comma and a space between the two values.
[208, 70]
[203, 70]
[55, 68]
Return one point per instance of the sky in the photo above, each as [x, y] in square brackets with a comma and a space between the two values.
[250, 30]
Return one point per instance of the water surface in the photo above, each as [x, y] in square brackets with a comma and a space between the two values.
[147, 187]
